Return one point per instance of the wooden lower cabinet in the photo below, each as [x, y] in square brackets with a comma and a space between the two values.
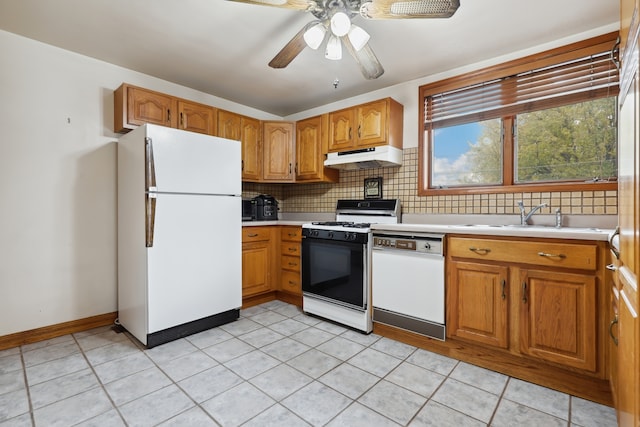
[527, 307]
[558, 317]
[628, 353]
[257, 260]
[478, 305]
[290, 238]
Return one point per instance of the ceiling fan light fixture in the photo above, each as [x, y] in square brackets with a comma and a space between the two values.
[334, 49]
[315, 35]
[340, 24]
[358, 37]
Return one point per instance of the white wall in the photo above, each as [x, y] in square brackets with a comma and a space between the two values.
[58, 181]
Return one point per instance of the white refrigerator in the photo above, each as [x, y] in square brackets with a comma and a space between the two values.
[179, 233]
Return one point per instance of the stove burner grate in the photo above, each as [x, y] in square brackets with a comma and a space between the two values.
[358, 225]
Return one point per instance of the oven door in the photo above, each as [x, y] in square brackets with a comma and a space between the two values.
[335, 271]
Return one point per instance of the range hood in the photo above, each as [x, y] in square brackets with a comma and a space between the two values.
[376, 157]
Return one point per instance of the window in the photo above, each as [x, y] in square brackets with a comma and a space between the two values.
[544, 122]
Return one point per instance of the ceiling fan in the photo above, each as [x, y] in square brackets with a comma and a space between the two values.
[333, 22]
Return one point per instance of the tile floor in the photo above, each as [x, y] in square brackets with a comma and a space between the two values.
[273, 367]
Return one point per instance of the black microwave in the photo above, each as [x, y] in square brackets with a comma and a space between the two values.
[248, 210]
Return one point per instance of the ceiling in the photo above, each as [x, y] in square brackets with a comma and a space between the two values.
[223, 47]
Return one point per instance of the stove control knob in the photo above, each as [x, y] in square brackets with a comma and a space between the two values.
[350, 236]
[315, 233]
[330, 234]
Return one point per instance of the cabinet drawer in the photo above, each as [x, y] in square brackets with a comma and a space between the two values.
[255, 234]
[567, 255]
[290, 281]
[291, 248]
[293, 234]
[290, 263]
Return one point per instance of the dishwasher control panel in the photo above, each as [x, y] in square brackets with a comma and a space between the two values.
[431, 244]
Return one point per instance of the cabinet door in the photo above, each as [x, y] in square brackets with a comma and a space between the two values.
[229, 125]
[251, 149]
[478, 303]
[278, 151]
[309, 158]
[628, 385]
[341, 132]
[196, 117]
[144, 106]
[628, 176]
[558, 317]
[256, 259]
[372, 124]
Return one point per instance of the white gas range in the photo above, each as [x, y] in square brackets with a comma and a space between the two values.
[336, 261]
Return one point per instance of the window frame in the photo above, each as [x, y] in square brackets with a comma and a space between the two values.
[595, 45]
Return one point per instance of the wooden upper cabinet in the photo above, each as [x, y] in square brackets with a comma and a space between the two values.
[341, 124]
[248, 131]
[279, 154]
[196, 117]
[229, 125]
[557, 321]
[135, 106]
[367, 125]
[251, 149]
[372, 126]
[311, 137]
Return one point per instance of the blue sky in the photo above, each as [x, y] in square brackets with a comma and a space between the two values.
[450, 163]
[454, 141]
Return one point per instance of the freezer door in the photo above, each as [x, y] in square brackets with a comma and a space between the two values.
[188, 162]
[194, 266]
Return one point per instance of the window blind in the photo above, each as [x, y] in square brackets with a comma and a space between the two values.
[590, 77]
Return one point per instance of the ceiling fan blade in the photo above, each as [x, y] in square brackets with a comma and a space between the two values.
[287, 4]
[291, 49]
[366, 59]
[403, 9]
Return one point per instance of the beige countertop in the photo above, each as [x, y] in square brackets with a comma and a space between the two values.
[576, 232]
[278, 222]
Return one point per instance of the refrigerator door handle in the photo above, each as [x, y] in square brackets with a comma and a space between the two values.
[150, 196]
[150, 166]
[150, 218]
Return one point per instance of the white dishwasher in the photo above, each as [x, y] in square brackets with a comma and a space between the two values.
[408, 281]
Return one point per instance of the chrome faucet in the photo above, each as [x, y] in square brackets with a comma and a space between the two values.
[524, 217]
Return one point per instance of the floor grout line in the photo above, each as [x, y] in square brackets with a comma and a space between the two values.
[404, 354]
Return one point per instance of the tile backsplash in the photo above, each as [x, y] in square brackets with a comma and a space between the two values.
[402, 183]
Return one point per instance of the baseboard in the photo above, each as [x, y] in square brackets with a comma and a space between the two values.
[258, 299]
[53, 331]
[295, 299]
